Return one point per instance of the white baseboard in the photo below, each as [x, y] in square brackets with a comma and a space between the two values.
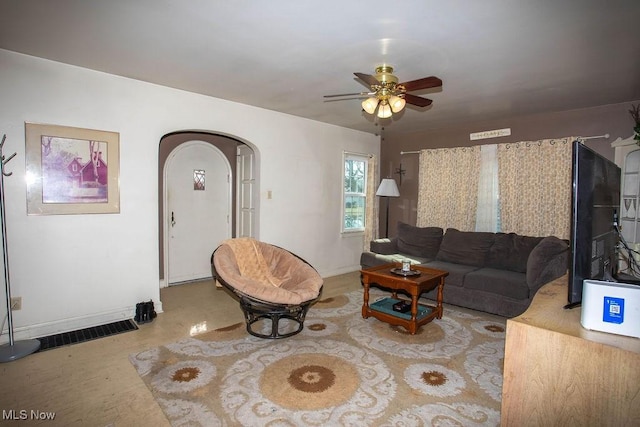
[157, 305]
[340, 271]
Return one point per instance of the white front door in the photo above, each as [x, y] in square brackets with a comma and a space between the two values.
[198, 209]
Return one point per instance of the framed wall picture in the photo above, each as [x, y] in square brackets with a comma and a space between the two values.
[71, 170]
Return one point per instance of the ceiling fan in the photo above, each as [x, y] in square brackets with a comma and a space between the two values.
[387, 95]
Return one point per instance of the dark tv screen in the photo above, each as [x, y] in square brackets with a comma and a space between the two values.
[595, 201]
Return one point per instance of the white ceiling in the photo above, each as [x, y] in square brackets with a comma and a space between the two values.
[497, 58]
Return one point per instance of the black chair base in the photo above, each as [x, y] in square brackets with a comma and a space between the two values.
[255, 310]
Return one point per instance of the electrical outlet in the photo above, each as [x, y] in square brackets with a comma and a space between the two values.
[16, 303]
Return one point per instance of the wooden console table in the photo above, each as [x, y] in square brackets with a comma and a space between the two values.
[556, 373]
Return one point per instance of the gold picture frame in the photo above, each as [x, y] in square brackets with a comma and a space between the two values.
[71, 170]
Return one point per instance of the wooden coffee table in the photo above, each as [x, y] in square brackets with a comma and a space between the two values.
[428, 279]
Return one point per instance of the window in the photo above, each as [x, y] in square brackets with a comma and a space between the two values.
[198, 180]
[354, 200]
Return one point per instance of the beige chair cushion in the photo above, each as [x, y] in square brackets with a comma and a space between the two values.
[251, 262]
[299, 282]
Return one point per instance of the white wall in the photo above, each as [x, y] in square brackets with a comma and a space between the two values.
[82, 270]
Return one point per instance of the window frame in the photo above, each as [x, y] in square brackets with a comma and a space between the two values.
[346, 156]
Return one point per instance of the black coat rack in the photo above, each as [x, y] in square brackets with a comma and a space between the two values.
[13, 349]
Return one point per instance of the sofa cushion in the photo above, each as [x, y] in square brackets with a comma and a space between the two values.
[457, 272]
[418, 241]
[502, 282]
[511, 252]
[465, 247]
[547, 261]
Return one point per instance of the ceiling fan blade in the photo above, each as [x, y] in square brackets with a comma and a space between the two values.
[417, 100]
[424, 83]
[349, 94]
[368, 79]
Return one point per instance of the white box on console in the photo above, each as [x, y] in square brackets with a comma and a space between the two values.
[611, 307]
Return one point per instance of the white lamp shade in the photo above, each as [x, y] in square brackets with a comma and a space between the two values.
[384, 111]
[388, 188]
[397, 103]
[369, 105]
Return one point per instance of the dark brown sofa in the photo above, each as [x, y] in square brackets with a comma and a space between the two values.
[493, 272]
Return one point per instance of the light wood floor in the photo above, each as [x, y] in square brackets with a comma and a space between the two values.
[94, 384]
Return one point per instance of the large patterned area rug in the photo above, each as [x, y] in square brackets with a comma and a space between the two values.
[341, 370]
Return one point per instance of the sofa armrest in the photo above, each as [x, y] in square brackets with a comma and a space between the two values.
[547, 261]
[384, 246]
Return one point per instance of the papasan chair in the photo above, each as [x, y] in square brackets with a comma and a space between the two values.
[271, 283]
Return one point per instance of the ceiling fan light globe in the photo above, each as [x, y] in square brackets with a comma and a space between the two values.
[369, 105]
[397, 103]
[384, 111]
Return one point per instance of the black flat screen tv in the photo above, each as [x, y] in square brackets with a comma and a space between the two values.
[595, 202]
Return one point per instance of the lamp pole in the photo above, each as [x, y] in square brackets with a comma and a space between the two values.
[386, 230]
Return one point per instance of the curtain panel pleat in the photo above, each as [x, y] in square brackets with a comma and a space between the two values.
[448, 187]
[535, 187]
[371, 213]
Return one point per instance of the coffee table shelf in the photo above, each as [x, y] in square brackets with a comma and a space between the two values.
[428, 280]
[385, 305]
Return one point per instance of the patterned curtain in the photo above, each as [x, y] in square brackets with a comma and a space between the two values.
[535, 187]
[448, 187]
[371, 214]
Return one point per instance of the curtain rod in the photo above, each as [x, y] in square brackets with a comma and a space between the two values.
[584, 138]
[581, 138]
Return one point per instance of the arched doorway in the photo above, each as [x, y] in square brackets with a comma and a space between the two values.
[243, 160]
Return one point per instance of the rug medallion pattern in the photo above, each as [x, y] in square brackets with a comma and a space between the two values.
[340, 370]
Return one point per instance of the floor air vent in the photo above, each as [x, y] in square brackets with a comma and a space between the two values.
[87, 334]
